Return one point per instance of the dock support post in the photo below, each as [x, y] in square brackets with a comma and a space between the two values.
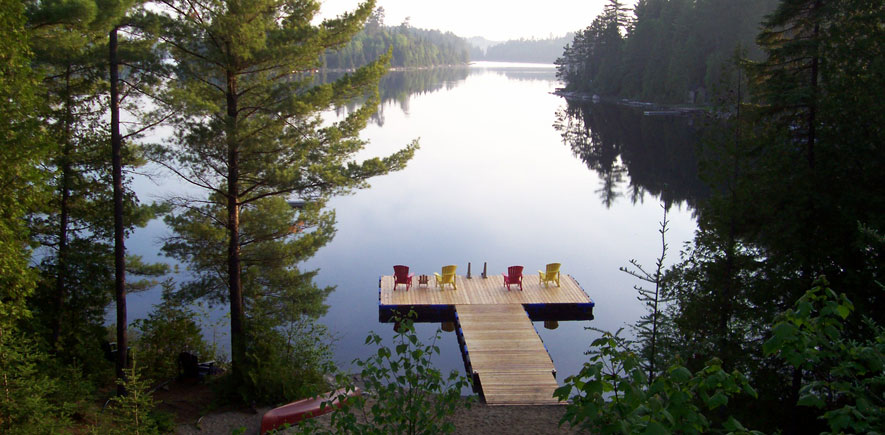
[485, 270]
[468, 270]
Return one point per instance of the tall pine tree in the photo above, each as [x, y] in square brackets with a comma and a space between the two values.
[251, 135]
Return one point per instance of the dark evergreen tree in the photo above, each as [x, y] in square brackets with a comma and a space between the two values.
[25, 405]
[250, 134]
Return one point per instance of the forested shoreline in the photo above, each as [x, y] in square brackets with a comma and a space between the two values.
[769, 321]
[409, 47]
[663, 51]
[545, 50]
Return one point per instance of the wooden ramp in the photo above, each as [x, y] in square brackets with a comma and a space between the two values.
[506, 355]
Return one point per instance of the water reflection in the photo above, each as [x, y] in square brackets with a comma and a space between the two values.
[633, 154]
[397, 88]
[492, 184]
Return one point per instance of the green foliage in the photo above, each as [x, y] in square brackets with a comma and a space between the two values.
[284, 363]
[410, 396]
[409, 47]
[844, 378]
[611, 394]
[76, 228]
[249, 131]
[167, 331]
[22, 148]
[668, 51]
[26, 389]
[132, 412]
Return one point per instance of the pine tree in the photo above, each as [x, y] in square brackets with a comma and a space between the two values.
[25, 390]
[250, 134]
[77, 227]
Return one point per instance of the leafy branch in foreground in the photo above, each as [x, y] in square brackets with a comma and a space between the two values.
[844, 377]
[611, 394]
[409, 394]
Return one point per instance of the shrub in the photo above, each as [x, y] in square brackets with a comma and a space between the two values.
[411, 396]
[283, 363]
[164, 334]
[611, 394]
[133, 413]
[845, 378]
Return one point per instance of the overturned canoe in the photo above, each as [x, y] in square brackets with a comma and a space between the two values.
[304, 409]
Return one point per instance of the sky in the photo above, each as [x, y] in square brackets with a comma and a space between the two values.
[496, 20]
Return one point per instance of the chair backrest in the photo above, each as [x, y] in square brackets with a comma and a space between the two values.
[449, 270]
[188, 365]
[514, 272]
[401, 272]
[552, 269]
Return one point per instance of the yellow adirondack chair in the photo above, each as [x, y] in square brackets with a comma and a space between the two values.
[551, 275]
[447, 277]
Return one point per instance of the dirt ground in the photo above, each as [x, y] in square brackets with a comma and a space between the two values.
[190, 402]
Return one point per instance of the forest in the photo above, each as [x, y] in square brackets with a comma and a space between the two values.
[768, 321]
[82, 82]
[665, 51]
[522, 50]
[410, 47]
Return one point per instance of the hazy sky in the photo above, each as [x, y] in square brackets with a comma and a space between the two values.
[492, 19]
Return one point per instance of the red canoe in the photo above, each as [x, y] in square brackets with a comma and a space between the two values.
[303, 409]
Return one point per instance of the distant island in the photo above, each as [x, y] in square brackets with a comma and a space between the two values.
[411, 47]
[518, 50]
[414, 48]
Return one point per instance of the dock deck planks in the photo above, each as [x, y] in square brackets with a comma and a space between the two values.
[483, 291]
[502, 347]
[506, 354]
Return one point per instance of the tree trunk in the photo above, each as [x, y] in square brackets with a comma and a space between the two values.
[235, 284]
[119, 246]
[815, 67]
[64, 216]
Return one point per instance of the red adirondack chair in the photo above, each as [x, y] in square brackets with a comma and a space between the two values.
[401, 275]
[513, 276]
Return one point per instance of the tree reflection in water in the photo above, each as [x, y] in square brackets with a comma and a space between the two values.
[634, 154]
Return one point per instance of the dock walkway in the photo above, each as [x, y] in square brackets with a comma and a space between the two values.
[506, 355]
[501, 348]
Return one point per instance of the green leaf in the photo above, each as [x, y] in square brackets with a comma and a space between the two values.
[655, 428]
[732, 425]
[717, 400]
[811, 400]
[680, 374]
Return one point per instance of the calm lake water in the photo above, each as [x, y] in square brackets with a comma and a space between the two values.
[507, 174]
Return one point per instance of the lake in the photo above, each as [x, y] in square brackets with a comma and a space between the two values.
[507, 174]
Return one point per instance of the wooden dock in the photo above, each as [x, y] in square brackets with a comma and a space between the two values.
[506, 355]
[501, 348]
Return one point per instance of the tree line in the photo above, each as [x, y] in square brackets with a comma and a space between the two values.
[669, 51]
[545, 50]
[83, 81]
[409, 47]
[769, 319]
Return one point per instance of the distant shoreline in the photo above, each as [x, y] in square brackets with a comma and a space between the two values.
[651, 109]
